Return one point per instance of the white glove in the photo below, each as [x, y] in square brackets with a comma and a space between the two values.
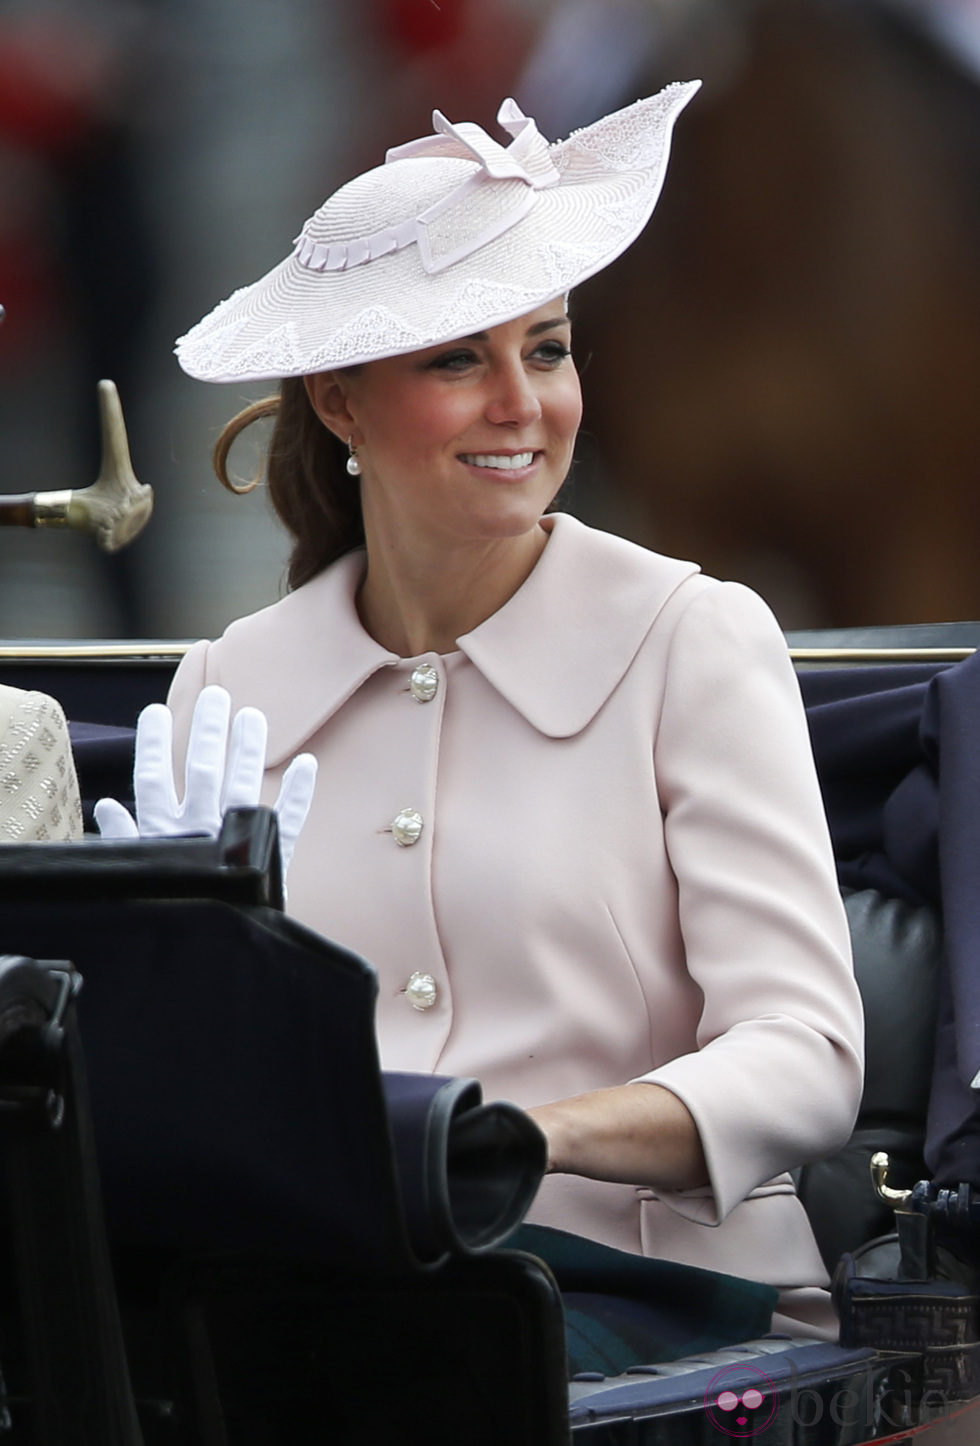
[217, 777]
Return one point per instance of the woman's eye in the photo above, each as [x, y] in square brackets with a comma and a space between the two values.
[552, 352]
[453, 361]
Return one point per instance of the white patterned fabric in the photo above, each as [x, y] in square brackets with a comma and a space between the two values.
[39, 798]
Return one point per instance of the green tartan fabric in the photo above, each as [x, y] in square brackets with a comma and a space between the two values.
[625, 1310]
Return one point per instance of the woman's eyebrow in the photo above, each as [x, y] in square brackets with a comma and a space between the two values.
[541, 326]
[535, 330]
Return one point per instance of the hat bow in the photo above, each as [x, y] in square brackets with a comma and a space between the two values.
[476, 211]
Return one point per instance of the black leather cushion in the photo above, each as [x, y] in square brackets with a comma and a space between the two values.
[897, 957]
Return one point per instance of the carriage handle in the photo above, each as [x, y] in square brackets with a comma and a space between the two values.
[115, 508]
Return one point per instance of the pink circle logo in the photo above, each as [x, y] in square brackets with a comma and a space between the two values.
[741, 1401]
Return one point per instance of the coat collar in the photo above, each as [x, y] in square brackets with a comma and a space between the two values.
[565, 639]
[555, 651]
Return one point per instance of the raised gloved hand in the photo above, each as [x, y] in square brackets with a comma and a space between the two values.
[220, 774]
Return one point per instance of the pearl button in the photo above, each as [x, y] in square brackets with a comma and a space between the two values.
[407, 827]
[421, 991]
[424, 683]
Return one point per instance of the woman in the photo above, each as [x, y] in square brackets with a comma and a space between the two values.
[565, 804]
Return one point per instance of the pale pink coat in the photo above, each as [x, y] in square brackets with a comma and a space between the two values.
[623, 872]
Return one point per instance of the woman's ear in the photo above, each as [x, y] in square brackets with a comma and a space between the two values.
[328, 398]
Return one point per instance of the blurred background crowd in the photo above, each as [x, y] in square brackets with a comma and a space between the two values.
[781, 377]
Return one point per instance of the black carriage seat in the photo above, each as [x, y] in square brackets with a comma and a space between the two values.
[892, 713]
[897, 959]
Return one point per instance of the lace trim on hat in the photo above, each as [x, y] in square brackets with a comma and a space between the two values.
[283, 348]
[627, 139]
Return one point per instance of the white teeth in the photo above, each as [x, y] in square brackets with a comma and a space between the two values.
[498, 460]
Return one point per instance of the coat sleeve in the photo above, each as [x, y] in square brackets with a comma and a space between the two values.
[776, 1078]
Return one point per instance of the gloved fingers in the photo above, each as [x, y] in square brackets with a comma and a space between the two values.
[114, 821]
[246, 760]
[153, 773]
[207, 746]
[293, 803]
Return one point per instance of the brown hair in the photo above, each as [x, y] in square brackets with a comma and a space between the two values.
[309, 486]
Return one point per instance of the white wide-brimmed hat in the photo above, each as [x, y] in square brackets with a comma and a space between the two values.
[453, 234]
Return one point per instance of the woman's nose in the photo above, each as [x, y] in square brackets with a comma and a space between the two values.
[513, 400]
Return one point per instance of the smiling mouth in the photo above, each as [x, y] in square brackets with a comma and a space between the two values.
[498, 461]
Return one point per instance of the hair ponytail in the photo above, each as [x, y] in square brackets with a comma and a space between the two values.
[311, 490]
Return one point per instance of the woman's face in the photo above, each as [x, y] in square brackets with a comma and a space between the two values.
[466, 441]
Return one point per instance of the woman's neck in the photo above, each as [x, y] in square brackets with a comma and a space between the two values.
[412, 603]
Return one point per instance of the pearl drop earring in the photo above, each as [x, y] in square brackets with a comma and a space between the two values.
[353, 461]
